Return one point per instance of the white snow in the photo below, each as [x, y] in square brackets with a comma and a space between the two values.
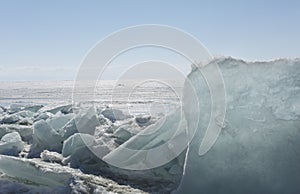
[48, 156]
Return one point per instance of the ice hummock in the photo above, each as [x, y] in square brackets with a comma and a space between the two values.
[54, 137]
[256, 151]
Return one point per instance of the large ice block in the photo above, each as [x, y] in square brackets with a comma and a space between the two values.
[257, 150]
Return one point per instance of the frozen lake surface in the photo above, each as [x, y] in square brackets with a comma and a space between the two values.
[133, 96]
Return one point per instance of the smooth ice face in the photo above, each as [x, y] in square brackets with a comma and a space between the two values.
[75, 142]
[153, 147]
[58, 121]
[11, 137]
[257, 149]
[11, 144]
[25, 169]
[44, 138]
[84, 121]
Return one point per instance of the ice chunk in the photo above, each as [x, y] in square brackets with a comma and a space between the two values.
[25, 131]
[101, 150]
[11, 144]
[157, 152]
[65, 109]
[10, 119]
[85, 121]
[11, 137]
[80, 149]
[33, 108]
[25, 169]
[25, 114]
[58, 121]
[157, 139]
[257, 149]
[44, 116]
[75, 142]
[114, 114]
[13, 108]
[143, 120]
[69, 129]
[25, 121]
[35, 176]
[125, 132]
[44, 138]
[22, 117]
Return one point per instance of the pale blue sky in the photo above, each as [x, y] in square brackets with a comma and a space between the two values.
[50, 38]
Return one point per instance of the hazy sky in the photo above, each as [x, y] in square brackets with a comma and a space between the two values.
[41, 40]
